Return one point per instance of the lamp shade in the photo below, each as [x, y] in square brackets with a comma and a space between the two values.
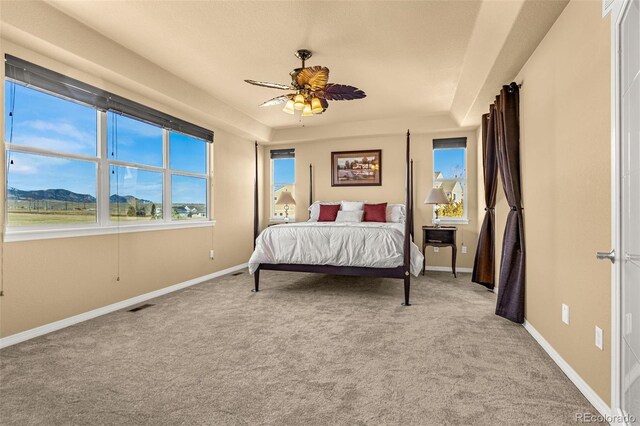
[298, 102]
[306, 112]
[286, 198]
[437, 196]
[289, 107]
[316, 106]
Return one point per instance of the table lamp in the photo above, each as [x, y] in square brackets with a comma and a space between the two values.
[287, 199]
[435, 197]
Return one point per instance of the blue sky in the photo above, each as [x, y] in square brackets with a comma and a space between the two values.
[47, 122]
[284, 170]
[449, 162]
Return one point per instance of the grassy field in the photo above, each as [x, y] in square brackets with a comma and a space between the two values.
[60, 213]
[51, 217]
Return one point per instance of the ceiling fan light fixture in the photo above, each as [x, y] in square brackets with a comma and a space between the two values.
[316, 106]
[299, 102]
[311, 89]
[306, 112]
[289, 107]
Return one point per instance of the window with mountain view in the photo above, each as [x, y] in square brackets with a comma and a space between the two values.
[450, 174]
[63, 172]
[49, 191]
[136, 194]
[51, 159]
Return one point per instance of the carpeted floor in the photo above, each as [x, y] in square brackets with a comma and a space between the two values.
[308, 350]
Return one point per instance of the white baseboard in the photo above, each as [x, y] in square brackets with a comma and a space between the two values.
[447, 269]
[578, 381]
[57, 325]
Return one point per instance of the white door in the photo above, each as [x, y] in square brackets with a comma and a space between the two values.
[629, 257]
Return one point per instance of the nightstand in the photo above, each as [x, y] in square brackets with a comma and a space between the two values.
[440, 236]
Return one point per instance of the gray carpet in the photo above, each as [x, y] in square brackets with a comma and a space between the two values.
[309, 349]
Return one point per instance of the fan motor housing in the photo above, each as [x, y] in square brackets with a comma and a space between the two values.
[303, 54]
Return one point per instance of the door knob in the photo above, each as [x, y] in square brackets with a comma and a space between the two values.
[601, 255]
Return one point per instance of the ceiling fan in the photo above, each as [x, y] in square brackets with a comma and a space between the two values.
[312, 91]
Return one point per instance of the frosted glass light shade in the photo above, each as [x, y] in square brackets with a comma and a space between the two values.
[288, 108]
[316, 106]
[437, 196]
[299, 102]
[286, 198]
[306, 112]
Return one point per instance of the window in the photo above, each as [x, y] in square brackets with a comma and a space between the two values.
[51, 159]
[47, 190]
[450, 174]
[77, 158]
[283, 166]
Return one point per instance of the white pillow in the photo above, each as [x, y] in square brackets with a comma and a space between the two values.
[349, 216]
[315, 209]
[350, 206]
[396, 213]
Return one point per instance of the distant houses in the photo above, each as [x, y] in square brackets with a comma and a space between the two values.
[452, 187]
[186, 211]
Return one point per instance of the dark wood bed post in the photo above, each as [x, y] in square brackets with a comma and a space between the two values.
[256, 220]
[411, 179]
[310, 187]
[407, 226]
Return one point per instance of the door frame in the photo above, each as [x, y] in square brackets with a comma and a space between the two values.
[617, 9]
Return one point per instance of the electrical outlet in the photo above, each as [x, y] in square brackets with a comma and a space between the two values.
[565, 314]
[436, 249]
[211, 254]
[599, 338]
[464, 249]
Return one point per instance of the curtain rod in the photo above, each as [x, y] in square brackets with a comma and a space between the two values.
[513, 83]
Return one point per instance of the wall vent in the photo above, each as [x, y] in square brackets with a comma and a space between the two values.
[141, 307]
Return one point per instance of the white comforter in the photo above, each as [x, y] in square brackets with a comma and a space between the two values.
[364, 244]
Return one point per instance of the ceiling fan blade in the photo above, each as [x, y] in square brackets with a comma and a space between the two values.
[276, 101]
[314, 77]
[270, 85]
[341, 92]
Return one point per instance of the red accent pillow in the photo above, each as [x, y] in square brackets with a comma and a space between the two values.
[375, 212]
[328, 212]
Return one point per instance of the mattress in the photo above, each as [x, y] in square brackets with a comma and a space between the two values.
[362, 244]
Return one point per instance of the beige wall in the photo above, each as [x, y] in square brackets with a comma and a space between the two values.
[566, 185]
[49, 280]
[392, 190]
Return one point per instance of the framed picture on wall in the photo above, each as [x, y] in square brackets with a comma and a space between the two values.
[356, 168]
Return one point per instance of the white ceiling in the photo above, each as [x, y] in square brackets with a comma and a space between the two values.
[409, 57]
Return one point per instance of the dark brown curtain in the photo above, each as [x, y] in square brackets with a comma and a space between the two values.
[484, 264]
[512, 266]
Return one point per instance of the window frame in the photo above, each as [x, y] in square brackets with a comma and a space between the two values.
[465, 196]
[272, 215]
[104, 224]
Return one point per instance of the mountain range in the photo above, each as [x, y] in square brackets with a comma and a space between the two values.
[66, 195]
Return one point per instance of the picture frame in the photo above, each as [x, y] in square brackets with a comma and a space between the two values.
[356, 168]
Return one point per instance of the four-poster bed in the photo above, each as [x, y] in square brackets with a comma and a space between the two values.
[404, 252]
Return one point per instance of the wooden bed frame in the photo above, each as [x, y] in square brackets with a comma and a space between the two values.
[401, 272]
